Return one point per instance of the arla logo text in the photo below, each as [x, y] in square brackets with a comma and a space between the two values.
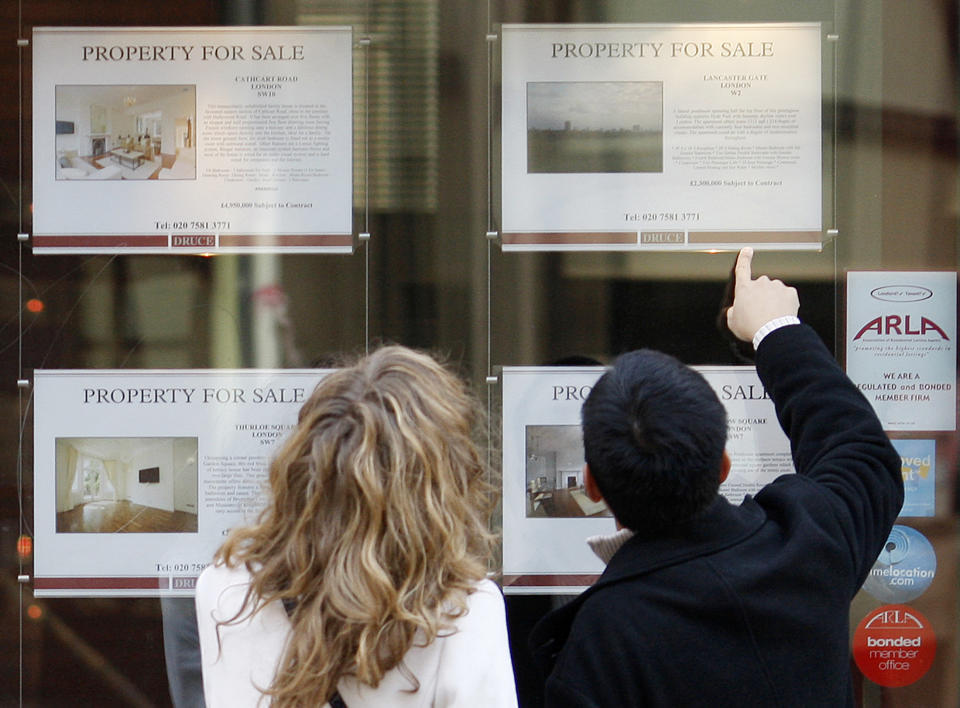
[892, 617]
[902, 325]
[901, 293]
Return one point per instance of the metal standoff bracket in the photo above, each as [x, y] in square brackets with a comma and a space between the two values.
[23, 237]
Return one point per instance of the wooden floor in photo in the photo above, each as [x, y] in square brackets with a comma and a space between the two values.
[124, 517]
[569, 503]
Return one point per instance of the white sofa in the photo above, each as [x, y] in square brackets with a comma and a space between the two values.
[75, 168]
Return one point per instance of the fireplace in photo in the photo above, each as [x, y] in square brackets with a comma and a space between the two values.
[554, 474]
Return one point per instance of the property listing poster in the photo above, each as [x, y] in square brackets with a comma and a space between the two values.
[661, 136]
[546, 513]
[192, 140]
[139, 475]
[901, 346]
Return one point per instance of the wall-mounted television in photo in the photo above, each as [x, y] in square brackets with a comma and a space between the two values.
[64, 127]
[150, 475]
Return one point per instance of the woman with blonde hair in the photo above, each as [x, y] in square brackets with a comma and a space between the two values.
[362, 582]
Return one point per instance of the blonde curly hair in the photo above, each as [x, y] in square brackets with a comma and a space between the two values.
[377, 523]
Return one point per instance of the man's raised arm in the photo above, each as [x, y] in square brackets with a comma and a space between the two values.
[836, 438]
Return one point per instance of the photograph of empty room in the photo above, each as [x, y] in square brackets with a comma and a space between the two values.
[554, 474]
[126, 485]
[126, 132]
[594, 126]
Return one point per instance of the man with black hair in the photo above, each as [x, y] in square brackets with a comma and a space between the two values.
[705, 603]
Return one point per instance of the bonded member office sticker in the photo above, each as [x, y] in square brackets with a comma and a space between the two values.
[894, 645]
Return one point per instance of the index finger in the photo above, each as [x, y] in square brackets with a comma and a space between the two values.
[742, 269]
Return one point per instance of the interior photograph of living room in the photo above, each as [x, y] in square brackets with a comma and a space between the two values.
[126, 132]
[554, 474]
[126, 485]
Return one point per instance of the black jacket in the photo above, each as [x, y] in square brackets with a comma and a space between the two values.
[745, 605]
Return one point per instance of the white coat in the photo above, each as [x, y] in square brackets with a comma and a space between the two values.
[467, 668]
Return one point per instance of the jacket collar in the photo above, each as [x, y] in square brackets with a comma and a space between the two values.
[721, 525]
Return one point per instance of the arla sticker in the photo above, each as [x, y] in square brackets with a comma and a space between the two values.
[894, 645]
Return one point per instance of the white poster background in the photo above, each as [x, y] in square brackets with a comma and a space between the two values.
[549, 555]
[271, 120]
[741, 128]
[901, 346]
[238, 419]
